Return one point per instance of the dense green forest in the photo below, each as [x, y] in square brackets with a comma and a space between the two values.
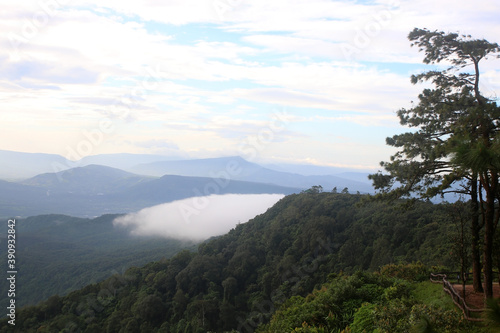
[64, 253]
[239, 280]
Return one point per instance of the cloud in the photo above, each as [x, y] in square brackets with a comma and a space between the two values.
[44, 72]
[197, 218]
[158, 144]
[80, 64]
[177, 12]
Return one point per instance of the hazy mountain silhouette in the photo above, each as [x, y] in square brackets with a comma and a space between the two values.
[95, 190]
[17, 165]
[91, 179]
[124, 161]
[240, 169]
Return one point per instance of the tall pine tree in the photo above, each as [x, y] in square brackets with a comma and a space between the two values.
[455, 146]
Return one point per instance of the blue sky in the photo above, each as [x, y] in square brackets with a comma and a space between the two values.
[297, 81]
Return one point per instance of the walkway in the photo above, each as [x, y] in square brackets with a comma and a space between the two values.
[473, 299]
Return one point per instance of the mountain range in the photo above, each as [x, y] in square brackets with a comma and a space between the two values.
[247, 171]
[96, 190]
[36, 184]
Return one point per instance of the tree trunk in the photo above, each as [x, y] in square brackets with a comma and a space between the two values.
[475, 231]
[488, 264]
[489, 229]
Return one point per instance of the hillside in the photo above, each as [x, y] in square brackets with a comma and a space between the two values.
[96, 190]
[58, 254]
[238, 280]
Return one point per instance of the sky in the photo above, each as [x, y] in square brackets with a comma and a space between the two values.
[296, 81]
[197, 218]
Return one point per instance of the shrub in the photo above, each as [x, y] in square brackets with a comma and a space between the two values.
[400, 289]
[392, 316]
[364, 319]
[410, 272]
[438, 319]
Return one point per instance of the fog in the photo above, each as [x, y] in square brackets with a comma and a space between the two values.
[197, 218]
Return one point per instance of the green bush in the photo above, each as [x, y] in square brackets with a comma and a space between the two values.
[364, 320]
[309, 329]
[400, 289]
[333, 307]
[410, 272]
[438, 319]
[392, 316]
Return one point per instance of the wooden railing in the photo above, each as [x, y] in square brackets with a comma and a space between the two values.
[457, 299]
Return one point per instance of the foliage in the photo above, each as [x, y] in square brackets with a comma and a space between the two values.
[237, 281]
[398, 315]
[364, 321]
[444, 115]
[410, 272]
[439, 319]
[331, 308]
[366, 303]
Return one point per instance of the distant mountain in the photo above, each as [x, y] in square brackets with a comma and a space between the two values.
[356, 176]
[313, 170]
[17, 165]
[96, 190]
[233, 166]
[124, 161]
[91, 179]
[239, 169]
[319, 170]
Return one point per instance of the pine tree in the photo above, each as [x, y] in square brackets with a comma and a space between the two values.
[456, 145]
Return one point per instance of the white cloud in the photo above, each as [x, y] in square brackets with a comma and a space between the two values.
[197, 218]
[72, 69]
[177, 12]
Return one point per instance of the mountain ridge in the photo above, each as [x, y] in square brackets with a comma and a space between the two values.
[21, 166]
[95, 190]
[248, 171]
[89, 178]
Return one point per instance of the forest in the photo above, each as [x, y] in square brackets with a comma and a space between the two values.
[64, 253]
[307, 246]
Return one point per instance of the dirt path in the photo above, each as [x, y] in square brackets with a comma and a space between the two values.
[473, 299]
